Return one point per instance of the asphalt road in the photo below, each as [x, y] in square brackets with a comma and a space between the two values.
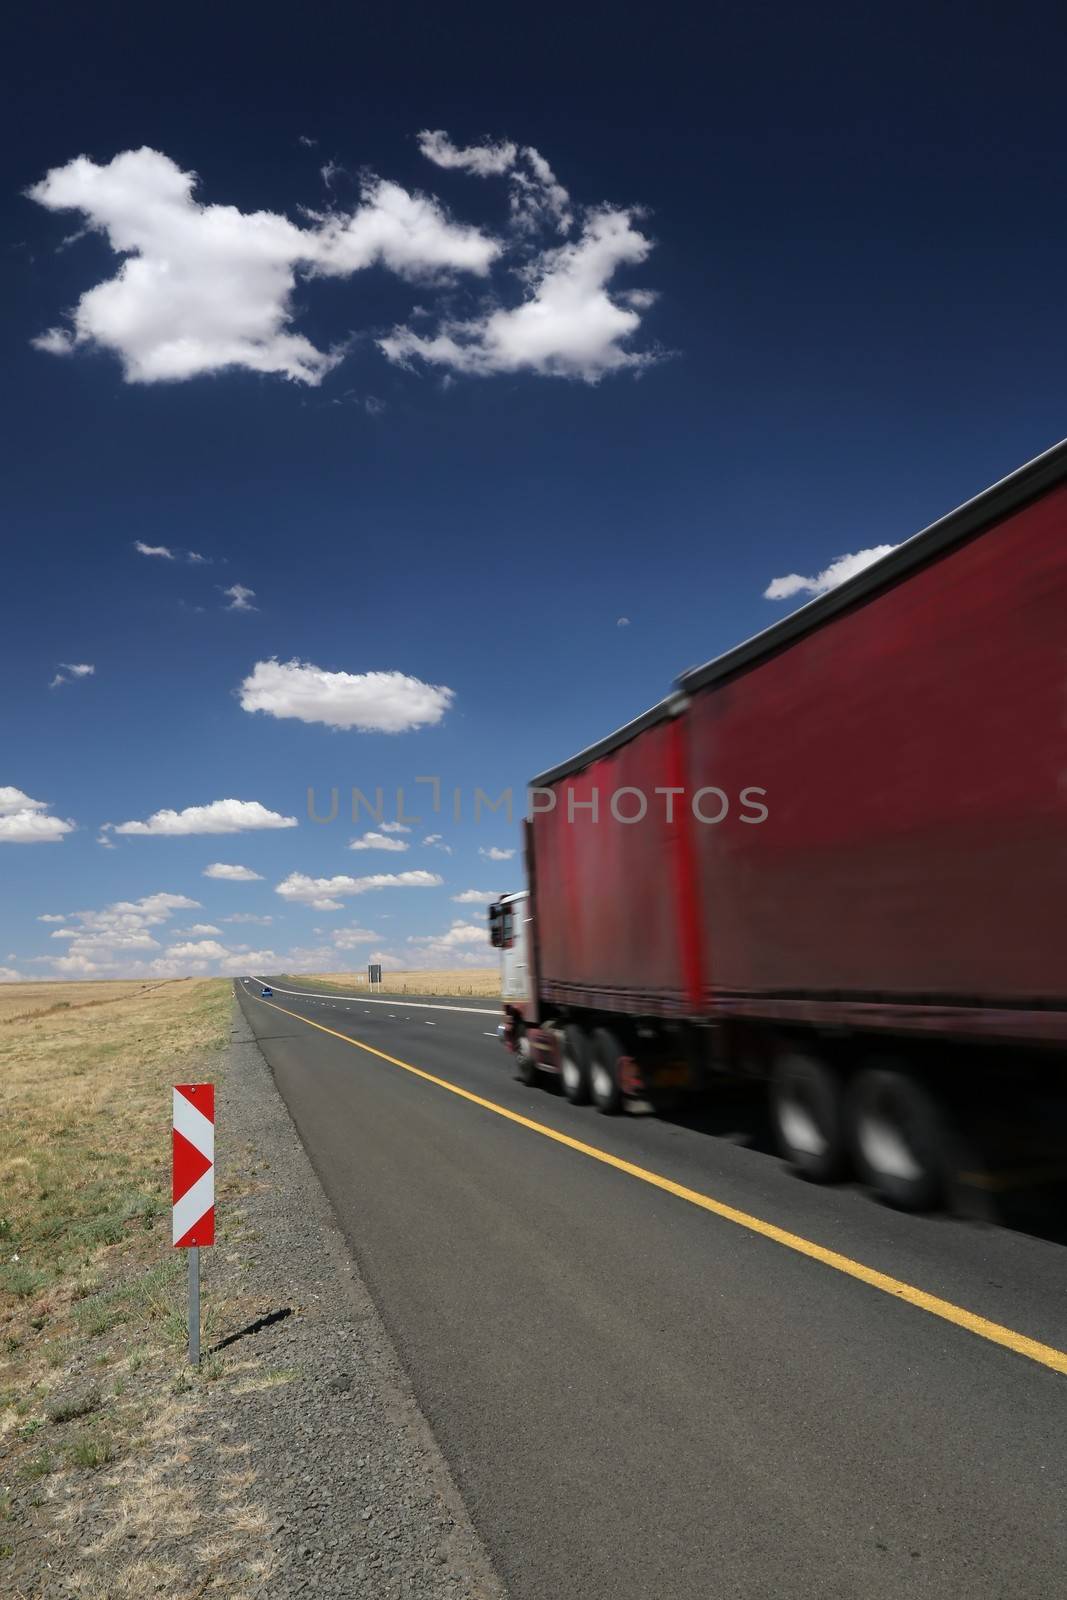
[640, 1397]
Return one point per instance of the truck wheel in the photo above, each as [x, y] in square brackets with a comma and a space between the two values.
[604, 1088]
[898, 1137]
[525, 1059]
[807, 1116]
[574, 1065]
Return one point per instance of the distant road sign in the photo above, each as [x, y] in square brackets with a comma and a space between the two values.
[374, 973]
[193, 1179]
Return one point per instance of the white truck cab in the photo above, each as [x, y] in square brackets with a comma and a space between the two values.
[509, 932]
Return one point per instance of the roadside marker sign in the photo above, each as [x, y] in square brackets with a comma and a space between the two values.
[193, 1182]
[193, 1187]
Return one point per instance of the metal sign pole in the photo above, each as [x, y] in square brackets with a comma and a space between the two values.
[194, 1305]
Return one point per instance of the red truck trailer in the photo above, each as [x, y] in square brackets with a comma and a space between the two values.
[834, 858]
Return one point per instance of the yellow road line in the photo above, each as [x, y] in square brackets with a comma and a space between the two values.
[1046, 1355]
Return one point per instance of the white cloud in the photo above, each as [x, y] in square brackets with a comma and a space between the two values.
[51, 916]
[24, 821]
[232, 874]
[408, 233]
[841, 568]
[161, 550]
[9, 975]
[395, 827]
[240, 598]
[475, 897]
[436, 840]
[569, 326]
[200, 949]
[483, 160]
[250, 916]
[69, 671]
[379, 841]
[99, 942]
[623, 622]
[464, 944]
[54, 342]
[13, 800]
[203, 288]
[322, 893]
[350, 938]
[102, 839]
[370, 702]
[221, 816]
[536, 192]
[494, 853]
[119, 940]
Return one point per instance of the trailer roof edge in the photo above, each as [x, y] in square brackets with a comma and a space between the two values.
[991, 505]
[999, 500]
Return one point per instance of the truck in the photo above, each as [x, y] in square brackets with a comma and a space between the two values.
[832, 861]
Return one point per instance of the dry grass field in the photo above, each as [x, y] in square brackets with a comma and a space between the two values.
[19, 1000]
[483, 981]
[91, 1294]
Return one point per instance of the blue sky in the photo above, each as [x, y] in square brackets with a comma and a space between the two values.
[667, 307]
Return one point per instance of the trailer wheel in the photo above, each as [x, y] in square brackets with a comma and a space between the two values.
[525, 1059]
[807, 1115]
[605, 1089]
[899, 1138]
[574, 1065]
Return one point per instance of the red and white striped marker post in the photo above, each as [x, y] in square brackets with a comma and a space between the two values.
[193, 1188]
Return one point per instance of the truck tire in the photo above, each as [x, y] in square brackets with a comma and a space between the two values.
[574, 1065]
[605, 1090]
[525, 1059]
[808, 1118]
[898, 1136]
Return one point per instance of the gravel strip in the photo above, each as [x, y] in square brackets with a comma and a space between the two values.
[359, 1499]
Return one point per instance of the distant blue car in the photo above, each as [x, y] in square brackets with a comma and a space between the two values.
[266, 991]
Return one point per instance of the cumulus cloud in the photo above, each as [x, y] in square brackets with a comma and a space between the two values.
[408, 233]
[161, 550]
[568, 326]
[221, 816]
[120, 940]
[483, 160]
[840, 569]
[232, 874]
[203, 287]
[51, 916]
[198, 949]
[464, 944]
[379, 841]
[351, 938]
[370, 702]
[475, 897]
[536, 192]
[101, 941]
[9, 975]
[240, 598]
[495, 853]
[436, 841]
[70, 671]
[249, 916]
[323, 893]
[395, 827]
[25, 821]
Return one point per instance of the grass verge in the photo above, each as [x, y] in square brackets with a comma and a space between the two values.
[92, 1310]
[480, 981]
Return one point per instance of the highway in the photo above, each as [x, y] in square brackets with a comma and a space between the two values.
[658, 1364]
